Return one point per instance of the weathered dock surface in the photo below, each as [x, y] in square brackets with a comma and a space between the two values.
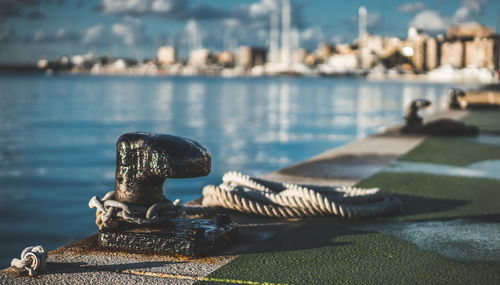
[448, 233]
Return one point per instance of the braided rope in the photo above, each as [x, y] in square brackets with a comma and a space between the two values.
[250, 195]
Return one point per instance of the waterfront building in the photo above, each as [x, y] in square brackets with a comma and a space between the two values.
[274, 49]
[301, 55]
[371, 47]
[452, 53]
[224, 58]
[325, 50]
[251, 56]
[64, 60]
[418, 58]
[342, 63]
[118, 66]
[199, 57]
[312, 59]
[42, 63]
[479, 53]
[431, 53]
[471, 45]
[362, 21]
[166, 55]
[286, 33]
[416, 42]
[392, 45]
[469, 30]
[344, 49]
[343, 60]
[193, 36]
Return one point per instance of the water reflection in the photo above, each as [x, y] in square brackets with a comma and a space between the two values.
[58, 134]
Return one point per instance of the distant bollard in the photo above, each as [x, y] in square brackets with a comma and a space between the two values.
[441, 127]
[412, 118]
[453, 94]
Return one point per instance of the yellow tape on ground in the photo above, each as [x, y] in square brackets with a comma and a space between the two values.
[235, 281]
[195, 278]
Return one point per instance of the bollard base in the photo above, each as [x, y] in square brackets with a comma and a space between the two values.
[180, 236]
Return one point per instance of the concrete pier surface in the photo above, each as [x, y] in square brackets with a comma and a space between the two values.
[448, 232]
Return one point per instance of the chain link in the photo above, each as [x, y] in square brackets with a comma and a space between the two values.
[108, 208]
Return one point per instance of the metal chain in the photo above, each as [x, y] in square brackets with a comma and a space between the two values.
[108, 208]
[33, 259]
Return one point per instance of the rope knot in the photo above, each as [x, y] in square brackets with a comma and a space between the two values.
[33, 259]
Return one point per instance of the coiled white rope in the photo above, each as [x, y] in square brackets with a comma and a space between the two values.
[250, 195]
[33, 259]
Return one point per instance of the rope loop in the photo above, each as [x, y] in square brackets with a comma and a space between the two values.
[258, 196]
[33, 259]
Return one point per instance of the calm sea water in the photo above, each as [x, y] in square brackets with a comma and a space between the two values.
[58, 134]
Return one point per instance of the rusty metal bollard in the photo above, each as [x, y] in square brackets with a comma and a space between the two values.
[138, 218]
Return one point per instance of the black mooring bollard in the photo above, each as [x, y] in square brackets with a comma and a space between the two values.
[441, 127]
[453, 94]
[144, 161]
[137, 217]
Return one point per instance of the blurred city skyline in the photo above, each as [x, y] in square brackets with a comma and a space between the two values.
[34, 29]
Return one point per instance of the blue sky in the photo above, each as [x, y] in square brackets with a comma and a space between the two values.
[31, 29]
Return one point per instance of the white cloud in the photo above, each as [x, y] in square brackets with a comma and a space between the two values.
[257, 15]
[247, 18]
[60, 35]
[469, 9]
[138, 7]
[231, 22]
[93, 34]
[125, 6]
[411, 7]
[130, 31]
[162, 6]
[263, 7]
[429, 21]
[312, 34]
[310, 37]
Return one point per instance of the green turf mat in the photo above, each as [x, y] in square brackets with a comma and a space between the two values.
[326, 252]
[452, 151]
[330, 251]
[339, 251]
[427, 196]
[485, 120]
